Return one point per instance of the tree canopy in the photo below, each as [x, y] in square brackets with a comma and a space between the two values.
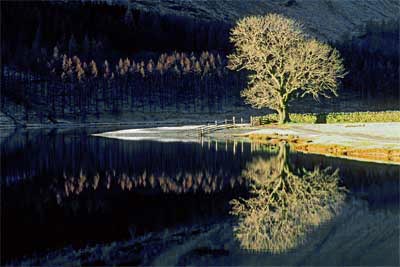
[283, 62]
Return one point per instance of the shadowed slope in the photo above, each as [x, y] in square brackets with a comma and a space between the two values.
[326, 19]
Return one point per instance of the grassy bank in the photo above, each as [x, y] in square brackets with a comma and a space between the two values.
[334, 117]
[377, 142]
[383, 155]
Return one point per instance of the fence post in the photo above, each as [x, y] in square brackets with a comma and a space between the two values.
[251, 120]
[216, 123]
[241, 120]
[226, 121]
[233, 120]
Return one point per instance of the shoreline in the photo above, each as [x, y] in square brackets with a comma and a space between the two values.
[368, 142]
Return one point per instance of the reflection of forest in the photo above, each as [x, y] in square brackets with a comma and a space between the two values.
[74, 154]
[202, 181]
[66, 165]
[286, 203]
[68, 187]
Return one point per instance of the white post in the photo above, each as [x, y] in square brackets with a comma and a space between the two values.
[233, 120]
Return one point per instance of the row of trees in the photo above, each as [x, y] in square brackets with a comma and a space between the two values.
[174, 82]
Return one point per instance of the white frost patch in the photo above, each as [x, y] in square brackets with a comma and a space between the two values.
[149, 138]
[151, 130]
[387, 130]
[270, 131]
[185, 133]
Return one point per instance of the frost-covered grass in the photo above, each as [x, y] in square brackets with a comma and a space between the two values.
[365, 135]
[378, 142]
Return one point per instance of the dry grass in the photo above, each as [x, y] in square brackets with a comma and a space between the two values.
[378, 154]
[306, 146]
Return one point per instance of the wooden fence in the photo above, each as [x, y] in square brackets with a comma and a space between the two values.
[220, 125]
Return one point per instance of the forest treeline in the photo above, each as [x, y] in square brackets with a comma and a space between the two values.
[95, 29]
[91, 58]
[178, 82]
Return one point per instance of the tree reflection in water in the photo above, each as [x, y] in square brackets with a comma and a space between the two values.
[285, 205]
[181, 183]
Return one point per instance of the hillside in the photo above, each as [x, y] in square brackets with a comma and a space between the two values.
[169, 43]
[327, 19]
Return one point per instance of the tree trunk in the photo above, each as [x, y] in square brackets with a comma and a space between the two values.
[283, 114]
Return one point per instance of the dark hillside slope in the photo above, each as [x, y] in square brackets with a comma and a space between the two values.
[326, 19]
[175, 24]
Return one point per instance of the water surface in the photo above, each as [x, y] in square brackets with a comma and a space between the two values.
[68, 189]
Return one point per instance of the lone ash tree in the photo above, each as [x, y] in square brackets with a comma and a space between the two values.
[284, 63]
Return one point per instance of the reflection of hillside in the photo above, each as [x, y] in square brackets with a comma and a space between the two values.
[358, 236]
[286, 204]
[348, 239]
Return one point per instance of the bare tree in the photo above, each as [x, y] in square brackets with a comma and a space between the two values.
[286, 204]
[283, 61]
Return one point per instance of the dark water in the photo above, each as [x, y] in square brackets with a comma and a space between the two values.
[67, 188]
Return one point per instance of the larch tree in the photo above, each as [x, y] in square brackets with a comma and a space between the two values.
[283, 62]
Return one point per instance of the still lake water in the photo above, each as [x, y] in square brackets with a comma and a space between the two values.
[65, 188]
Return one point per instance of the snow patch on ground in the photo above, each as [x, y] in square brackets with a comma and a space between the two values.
[152, 130]
[187, 133]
